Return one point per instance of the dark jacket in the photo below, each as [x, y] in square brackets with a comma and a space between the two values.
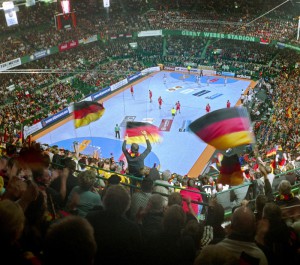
[117, 238]
[136, 163]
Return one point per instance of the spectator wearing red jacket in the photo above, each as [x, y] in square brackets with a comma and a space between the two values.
[193, 193]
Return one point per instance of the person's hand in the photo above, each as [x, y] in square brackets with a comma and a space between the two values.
[145, 134]
[65, 174]
[54, 174]
[31, 193]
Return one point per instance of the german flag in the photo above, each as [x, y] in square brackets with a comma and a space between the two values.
[86, 112]
[272, 152]
[224, 128]
[230, 171]
[134, 129]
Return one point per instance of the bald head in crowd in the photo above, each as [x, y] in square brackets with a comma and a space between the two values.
[243, 222]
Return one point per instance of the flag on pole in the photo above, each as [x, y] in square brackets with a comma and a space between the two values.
[86, 112]
[134, 129]
[224, 128]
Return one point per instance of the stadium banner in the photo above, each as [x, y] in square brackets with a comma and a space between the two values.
[39, 54]
[280, 45]
[205, 67]
[150, 33]
[10, 64]
[219, 36]
[195, 70]
[54, 50]
[150, 70]
[88, 39]
[100, 93]
[292, 47]
[228, 74]
[209, 72]
[265, 41]
[54, 118]
[167, 32]
[28, 130]
[244, 76]
[68, 45]
[118, 85]
[133, 77]
[181, 69]
[25, 59]
[169, 68]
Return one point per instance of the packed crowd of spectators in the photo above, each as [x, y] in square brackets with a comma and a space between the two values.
[36, 29]
[52, 204]
[49, 194]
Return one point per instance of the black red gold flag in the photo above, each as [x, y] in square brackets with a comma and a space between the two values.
[86, 112]
[134, 129]
[230, 171]
[271, 152]
[224, 128]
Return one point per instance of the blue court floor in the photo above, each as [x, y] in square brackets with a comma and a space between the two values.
[179, 148]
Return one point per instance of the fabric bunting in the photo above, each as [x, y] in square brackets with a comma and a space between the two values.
[224, 128]
[134, 129]
[86, 112]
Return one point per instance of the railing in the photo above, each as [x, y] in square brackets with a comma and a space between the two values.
[295, 188]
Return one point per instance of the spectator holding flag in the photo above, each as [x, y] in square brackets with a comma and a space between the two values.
[134, 159]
